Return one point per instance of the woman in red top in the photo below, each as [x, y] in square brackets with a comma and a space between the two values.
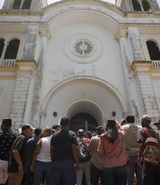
[115, 157]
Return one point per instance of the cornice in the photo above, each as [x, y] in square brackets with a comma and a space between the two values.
[145, 68]
[26, 63]
[20, 12]
[8, 69]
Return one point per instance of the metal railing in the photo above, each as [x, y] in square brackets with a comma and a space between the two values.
[12, 62]
[7, 62]
[156, 63]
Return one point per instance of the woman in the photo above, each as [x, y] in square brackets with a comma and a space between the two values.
[115, 157]
[41, 163]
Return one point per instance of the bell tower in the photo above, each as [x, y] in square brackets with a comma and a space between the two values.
[24, 4]
[138, 5]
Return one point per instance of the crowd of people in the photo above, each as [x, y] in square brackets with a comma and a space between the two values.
[114, 155]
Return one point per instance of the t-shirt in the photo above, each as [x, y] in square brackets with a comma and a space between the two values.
[114, 154]
[62, 144]
[130, 138]
[96, 157]
[6, 141]
[31, 146]
[141, 135]
[19, 144]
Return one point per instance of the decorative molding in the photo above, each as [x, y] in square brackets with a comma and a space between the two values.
[121, 33]
[8, 77]
[8, 69]
[44, 32]
[26, 63]
[83, 48]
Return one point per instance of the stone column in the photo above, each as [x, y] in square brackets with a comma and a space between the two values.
[135, 39]
[128, 6]
[25, 72]
[121, 36]
[31, 43]
[155, 5]
[4, 51]
[8, 4]
[140, 3]
[38, 4]
[36, 118]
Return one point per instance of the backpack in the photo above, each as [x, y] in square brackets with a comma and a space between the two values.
[84, 155]
[151, 152]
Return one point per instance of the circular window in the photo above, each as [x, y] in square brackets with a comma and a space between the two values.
[83, 48]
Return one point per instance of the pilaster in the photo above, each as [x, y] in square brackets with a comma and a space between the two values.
[121, 36]
[30, 44]
[44, 35]
[25, 73]
[143, 72]
[135, 40]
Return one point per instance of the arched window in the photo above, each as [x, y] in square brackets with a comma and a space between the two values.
[12, 49]
[146, 5]
[153, 50]
[22, 4]
[17, 4]
[136, 5]
[1, 46]
[26, 4]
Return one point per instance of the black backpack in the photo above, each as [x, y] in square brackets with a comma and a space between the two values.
[84, 155]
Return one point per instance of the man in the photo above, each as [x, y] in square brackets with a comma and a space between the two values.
[31, 146]
[84, 158]
[17, 158]
[41, 163]
[150, 172]
[96, 158]
[132, 148]
[64, 155]
[6, 141]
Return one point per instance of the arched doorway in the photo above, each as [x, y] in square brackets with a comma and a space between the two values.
[88, 96]
[83, 121]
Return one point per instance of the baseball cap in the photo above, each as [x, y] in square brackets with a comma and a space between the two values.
[146, 117]
[27, 126]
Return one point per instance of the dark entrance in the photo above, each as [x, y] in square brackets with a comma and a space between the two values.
[79, 121]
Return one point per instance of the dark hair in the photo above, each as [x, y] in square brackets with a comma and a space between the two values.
[122, 122]
[55, 126]
[100, 130]
[37, 131]
[130, 119]
[64, 121]
[111, 130]
[7, 122]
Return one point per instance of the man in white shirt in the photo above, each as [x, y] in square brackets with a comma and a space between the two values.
[132, 148]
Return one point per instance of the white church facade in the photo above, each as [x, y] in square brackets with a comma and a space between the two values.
[86, 60]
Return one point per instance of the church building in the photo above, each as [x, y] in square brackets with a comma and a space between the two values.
[87, 60]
